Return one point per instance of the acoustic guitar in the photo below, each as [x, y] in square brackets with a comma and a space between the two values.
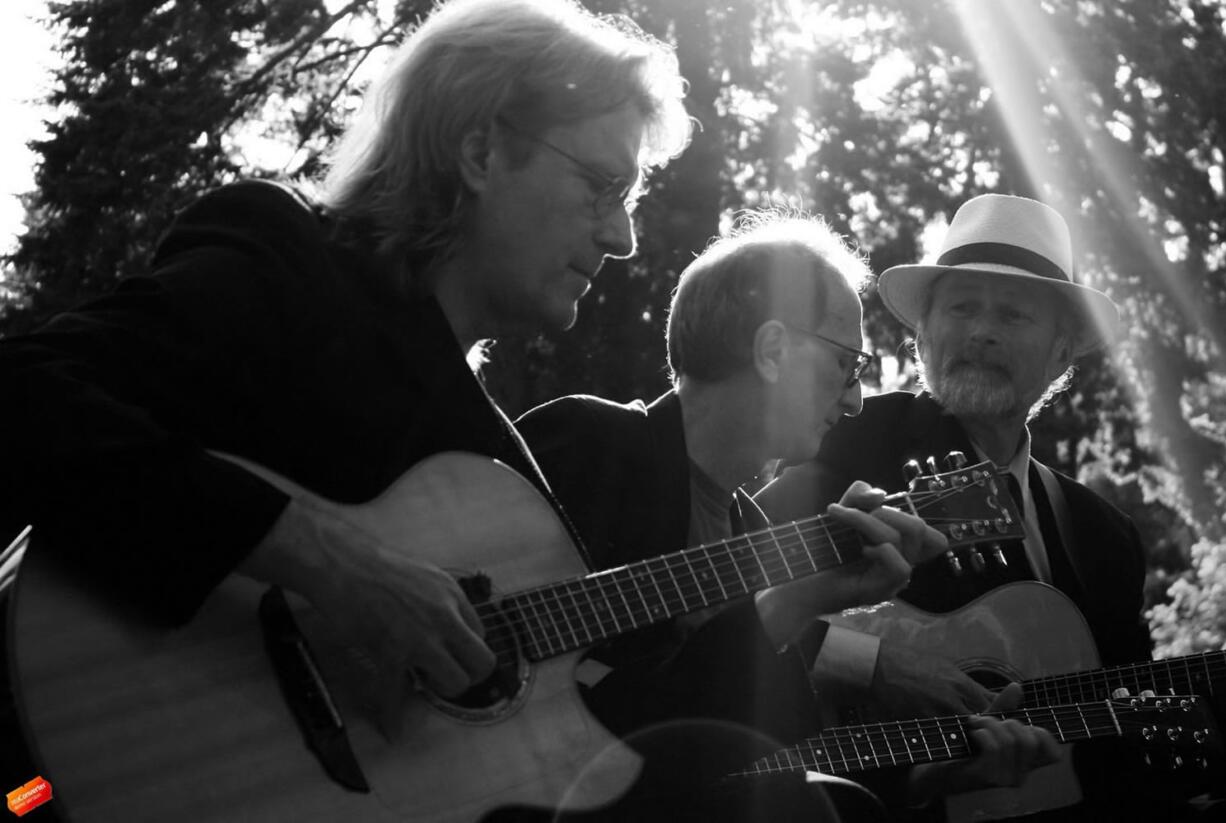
[132, 722]
[1032, 633]
[1177, 728]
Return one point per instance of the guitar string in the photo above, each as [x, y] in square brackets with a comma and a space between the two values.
[777, 557]
[948, 737]
[1183, 674]
[786, 545]
[549, 605]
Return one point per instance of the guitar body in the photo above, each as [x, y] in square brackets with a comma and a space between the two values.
[1013, 633]
[1017, 632]
[131, 722]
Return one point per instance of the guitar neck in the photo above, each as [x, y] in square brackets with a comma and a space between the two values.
[1193, 674]
[851, 749]
[575, 613]
[965, 504]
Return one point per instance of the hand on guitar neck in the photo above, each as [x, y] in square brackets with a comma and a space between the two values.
[1005, 751]
[893, 541]
[408, 615]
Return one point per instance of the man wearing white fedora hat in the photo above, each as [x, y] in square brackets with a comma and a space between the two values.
[998, 321]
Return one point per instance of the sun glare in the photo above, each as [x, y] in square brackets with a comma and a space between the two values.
[1011, 40]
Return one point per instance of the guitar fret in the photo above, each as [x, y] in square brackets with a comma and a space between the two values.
[662, 610]
[736, 567]
[820, 760]
[1197, 679]
[927, 750]
[619, 580]
[947, 737]
[723, 592]
[1055, 723]
[611, 606]
[787, 568]
[757, 556]
[575, 641]
[594, 621]
[541, 635]
[830, 540]
[885, 738]
[872, 750]
[687, 601]
[855, 747]
[697, 578]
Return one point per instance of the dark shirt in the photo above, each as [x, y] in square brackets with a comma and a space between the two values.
[258, 333]
[699, 703]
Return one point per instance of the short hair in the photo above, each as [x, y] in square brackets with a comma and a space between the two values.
[539, 63]
[773, 265]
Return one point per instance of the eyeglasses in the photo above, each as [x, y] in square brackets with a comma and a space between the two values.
[863, 358]
[617, 192]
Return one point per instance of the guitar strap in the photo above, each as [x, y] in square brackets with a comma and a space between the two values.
[1064, 522]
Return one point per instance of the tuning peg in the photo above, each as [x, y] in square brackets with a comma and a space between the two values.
[955, 460]
[1121, 693]
[931, 463]
[977, 561]
[955, 565]
[998, 554]
[911, 472]
[1148, 693]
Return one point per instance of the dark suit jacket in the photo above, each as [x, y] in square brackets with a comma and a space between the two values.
[898, 427]
[259, 333]
[1107, 588]
[622, 474]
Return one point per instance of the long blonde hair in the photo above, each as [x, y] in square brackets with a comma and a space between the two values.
[539, 62]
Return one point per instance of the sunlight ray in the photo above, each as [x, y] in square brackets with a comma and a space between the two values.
[1017, 42]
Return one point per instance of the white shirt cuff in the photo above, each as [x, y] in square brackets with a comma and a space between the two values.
[847, 657]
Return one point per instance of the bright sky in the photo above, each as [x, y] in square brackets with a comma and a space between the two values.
[25, 57]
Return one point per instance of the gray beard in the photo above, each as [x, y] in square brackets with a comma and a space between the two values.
[977, 390]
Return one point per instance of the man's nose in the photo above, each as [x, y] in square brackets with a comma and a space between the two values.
[615, 233]
[851, 401]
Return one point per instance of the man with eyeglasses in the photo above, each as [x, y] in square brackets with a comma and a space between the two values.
[326, 333]
[764, 344]
[998, 321]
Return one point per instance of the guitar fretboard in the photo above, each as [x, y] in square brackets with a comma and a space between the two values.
[850, 749]
[1193, 674]
[571, 614]
[575, 613]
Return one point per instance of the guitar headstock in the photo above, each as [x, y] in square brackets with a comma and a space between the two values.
[1176, 731]
[970, 505]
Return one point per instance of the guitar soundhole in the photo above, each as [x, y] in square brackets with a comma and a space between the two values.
[499, 693]
[992, 678]
[501, 687]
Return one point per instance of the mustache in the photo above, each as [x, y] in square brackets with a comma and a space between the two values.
[977, 361]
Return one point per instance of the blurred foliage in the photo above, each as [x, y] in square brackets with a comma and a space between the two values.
[881, 115]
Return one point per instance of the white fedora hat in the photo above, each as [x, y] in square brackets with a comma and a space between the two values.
[1016, 237]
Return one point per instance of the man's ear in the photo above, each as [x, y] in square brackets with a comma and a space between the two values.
[475, 159]
[770, 350]
[1061, 356]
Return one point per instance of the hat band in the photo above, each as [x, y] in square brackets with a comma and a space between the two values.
[1003, 254]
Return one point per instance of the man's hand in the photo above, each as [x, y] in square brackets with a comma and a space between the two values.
[407, 615]
[909, 684]
[1005, 751]
[893, 542]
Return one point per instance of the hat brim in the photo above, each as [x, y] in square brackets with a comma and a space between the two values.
[904, 290]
